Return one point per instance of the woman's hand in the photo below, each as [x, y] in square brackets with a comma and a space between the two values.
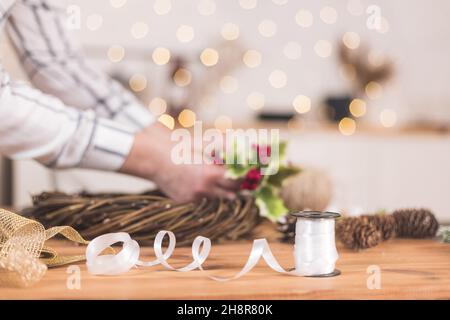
[150, 158]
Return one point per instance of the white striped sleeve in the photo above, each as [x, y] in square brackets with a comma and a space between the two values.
[57, 67]
[37, 126]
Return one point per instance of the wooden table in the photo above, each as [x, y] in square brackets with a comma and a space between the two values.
[410, 269]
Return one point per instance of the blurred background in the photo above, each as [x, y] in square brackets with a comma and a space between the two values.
[359, 88]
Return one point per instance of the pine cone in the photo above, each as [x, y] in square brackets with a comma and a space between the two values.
[384, 223]
[358, 233]
[415, 223]
[287, 228]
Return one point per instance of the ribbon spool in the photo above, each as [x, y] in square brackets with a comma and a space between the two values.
[315, 250]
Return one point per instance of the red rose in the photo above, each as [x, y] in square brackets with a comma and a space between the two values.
[252, 180]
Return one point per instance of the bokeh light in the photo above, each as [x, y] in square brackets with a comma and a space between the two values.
[355, 7]
[256, 100]
[328, 15]
[292, 50]
[304, 18]
[182, 77]
[374, 90]
[161, 56]
[117, 3]
[278, 79]
[138, 82]
[388, 118]
[222, 123]
[167, 120]
[358, 108]
[228, 84]
[162, 7]
[209, 103]
[230, 31]
[209, 57]
[187, 118]
[252, 58]
[157, 106]
[185, 33]
[94, 22]
[323, 48]
[206, 7]
[280, 2]
[116, 53]
[347, 126]
[139, 30]
[376, 59]
[248, 4]
[267, 28]
[351, 40]
[302, 104]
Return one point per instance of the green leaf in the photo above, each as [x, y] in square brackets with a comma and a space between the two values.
[282, 174]
[236, 171]
[446, 236]
[282, 150]
[269, 203]
[236, 163]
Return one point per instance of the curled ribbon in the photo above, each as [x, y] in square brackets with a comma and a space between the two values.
[129, 255]
[315, 251]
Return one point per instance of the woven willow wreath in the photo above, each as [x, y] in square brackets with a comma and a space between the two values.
[142, 216]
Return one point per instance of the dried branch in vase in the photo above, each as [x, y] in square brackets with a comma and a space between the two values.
[363, 70]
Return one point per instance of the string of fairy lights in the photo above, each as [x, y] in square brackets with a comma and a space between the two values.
[252, 59]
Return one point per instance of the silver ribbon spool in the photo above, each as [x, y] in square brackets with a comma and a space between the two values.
[315, 250]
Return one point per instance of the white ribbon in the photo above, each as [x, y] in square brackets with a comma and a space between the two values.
[315, 248]
[315, 252]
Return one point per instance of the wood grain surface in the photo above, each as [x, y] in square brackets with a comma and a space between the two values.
[410, 269]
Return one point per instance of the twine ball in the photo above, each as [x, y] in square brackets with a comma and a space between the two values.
[311, 189]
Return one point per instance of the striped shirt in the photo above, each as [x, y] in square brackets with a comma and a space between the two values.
[74, 116]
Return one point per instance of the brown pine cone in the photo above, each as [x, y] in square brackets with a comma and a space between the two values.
[358, 233]
[385, 224]
[287, 228]
[415, 223]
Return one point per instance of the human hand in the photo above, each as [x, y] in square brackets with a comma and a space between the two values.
[150, 158]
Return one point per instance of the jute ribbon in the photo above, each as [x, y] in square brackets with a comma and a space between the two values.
[24, 258]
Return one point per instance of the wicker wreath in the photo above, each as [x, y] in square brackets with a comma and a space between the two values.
[142, 216]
